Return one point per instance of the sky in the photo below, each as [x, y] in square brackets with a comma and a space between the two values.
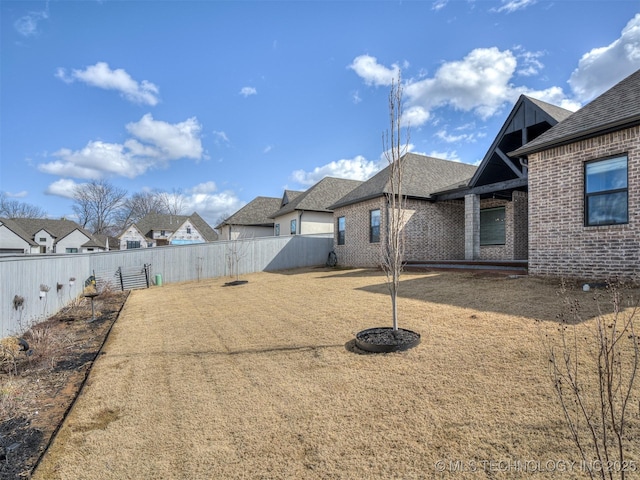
[224, 101]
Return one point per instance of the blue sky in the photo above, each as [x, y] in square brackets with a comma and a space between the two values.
[226, 101]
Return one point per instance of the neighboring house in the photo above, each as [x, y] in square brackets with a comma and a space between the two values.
[305, 213]
[584, 190]
[495, 199]
[432, 230]
[111, 243]
[14, 240]
[251, 221]
[156, 230]
[48, 236]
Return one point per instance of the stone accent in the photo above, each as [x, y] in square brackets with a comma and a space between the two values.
[559, 242]
[471, 227]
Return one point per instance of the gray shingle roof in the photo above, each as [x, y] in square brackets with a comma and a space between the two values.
[255, 213]
[554, 111]
[320, 196]
[58, 229]
[170, 223]
[18, 230]
[422, 176]
[615, 109]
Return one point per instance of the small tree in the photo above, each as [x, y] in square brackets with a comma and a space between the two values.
[596, 394]
[237, 249]
[393, 245]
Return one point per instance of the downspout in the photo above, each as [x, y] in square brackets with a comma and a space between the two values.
[300, 223]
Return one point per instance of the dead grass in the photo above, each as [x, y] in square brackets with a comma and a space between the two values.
[261, 381]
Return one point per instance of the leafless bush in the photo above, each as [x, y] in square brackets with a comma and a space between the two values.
[594, 377]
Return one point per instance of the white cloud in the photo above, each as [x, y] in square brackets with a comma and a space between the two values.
[510, 6]
[529, 63]
[439, 5]
[209, 203]
[62, 188]
[100, 75]
[358, 168]
[172, 141]
[154, 144]
[373, 73]
[448, 155]
[248, 91]
[221, 138]
[479, 83]
[21, 194]
[27, 25]
[601, 68]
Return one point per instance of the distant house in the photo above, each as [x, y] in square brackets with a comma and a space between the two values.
[36, 235]
[155, 230]
[308, 212]
[432, 230]
[584, 190]
[252, 220]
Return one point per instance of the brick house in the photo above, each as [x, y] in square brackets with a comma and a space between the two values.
[496, 197]
[458, 212]
[305, 213]
[433, 230]
[584, 190]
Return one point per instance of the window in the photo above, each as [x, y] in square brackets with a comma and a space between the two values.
[133, 244]
[188, 230]
[492, 230]
[605, 192]
[277, 229]
[163, 233]
[71, 250]
[294, 227]
[374, 226]
[341, 229]
[42, 240]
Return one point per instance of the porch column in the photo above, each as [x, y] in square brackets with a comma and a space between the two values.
[471, 227]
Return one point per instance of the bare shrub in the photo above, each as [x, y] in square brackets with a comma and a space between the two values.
[594, 368]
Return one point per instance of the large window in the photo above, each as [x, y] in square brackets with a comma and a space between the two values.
[133, 244]
[277, 229]
[374, 226]
[71, 250]
[492, 230]
[605, 192]
[341, 230]
[294, 227]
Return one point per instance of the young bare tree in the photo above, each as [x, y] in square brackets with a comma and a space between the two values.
[596, 393]
[139, 205]
[96, 204]
[17, 209]
[393, 244]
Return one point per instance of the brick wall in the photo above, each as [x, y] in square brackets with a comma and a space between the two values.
[559, 242]
[434, 231]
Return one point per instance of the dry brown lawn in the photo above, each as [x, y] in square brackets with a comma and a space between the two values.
[261, 380]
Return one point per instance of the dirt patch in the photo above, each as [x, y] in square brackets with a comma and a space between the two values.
[35, 401]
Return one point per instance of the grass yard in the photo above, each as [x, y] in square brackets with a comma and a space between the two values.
[261, 381]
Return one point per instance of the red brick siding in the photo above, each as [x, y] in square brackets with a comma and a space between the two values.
[559, 242]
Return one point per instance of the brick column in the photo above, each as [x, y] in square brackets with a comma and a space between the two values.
[471, 227]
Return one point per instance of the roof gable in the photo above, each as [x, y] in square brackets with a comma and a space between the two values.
[17, 230]
[615, 109]
[528, 119]
[320, 196]
[58, 229]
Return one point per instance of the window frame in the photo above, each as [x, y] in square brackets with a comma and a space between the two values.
[131, 243]
[374, 237]
[504, 227]
[601, 193]
[277, 229]
[71, 250]
[341, 237]
[293, 226]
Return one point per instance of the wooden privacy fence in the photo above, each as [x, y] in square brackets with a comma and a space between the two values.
[21, 277]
